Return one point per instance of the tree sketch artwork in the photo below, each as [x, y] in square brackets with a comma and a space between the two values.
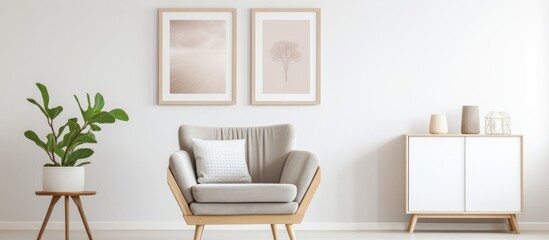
[286, 56]
[285, 52]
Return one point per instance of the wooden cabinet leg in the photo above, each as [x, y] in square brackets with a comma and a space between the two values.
[515, 223]
[511, 226]
[78, 202]
[413, 222]
[273, 229]
[54, 200]
[198, 232]
[290, 230]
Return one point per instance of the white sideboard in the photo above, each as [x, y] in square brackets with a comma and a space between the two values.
[464, 176]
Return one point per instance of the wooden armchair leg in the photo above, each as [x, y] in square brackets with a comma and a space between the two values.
[198, 232]
[290, 229]
[273, 229]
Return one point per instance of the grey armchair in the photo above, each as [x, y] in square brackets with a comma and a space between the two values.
[283, 180]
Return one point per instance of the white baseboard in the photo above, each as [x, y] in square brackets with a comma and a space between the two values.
[356, 226]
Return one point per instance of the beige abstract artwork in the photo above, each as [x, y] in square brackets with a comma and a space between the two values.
[197, 56]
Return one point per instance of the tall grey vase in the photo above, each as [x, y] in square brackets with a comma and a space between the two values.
[470, 123]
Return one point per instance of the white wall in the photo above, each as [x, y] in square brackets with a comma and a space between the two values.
[387, 65]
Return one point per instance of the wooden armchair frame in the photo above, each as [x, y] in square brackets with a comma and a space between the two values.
[201, 220]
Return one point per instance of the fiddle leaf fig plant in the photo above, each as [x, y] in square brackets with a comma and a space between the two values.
[64, 144]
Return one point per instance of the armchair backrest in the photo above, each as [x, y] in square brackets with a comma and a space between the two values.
[267, 148]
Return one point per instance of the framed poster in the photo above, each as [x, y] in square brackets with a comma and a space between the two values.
[285, 56]
[197, 56]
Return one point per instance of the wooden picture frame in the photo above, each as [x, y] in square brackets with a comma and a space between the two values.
[285, 56]
[197, 56]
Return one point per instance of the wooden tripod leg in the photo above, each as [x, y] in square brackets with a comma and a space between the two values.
[290, 230]
[78, 202]
[67, 218]
[273, 229]
[515, 223]
[54, 200]
[413, 222]
[198, 232]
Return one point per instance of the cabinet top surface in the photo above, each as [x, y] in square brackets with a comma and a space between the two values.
[461, 135]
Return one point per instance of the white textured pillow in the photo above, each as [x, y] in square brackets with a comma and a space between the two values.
[221, 161]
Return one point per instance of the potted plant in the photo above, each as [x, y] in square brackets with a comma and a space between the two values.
[65, 172]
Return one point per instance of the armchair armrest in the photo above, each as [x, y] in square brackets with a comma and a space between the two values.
[299, 170]
[183, 172]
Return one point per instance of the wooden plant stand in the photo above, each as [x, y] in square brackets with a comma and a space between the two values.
[55, 198]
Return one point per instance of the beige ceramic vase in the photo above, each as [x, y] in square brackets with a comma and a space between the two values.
[438, 124]
[470, 123]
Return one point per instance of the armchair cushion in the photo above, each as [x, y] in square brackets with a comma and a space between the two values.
[243, 208]
[244, 193]
[221, 161]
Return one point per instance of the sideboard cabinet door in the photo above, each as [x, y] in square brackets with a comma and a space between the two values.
[436, 179]
[493, 174]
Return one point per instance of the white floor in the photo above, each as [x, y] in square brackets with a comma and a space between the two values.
[266, 235]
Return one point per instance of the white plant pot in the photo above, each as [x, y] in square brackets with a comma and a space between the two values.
[63, 179]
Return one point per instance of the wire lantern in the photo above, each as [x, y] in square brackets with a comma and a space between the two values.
[497, 123]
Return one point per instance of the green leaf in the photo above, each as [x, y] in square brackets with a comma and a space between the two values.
[66, 139]
[50, 145]
[119, 114]
[78, 154]
[82, 164]
[54, 112]
[90, 112]
[89, 102]
[102, 117]
[39, 106]
[84, 138]
[99, 102]
[74, 127]
[95, 127]
[61, 129]
[87, 137]
[84, 115]
[33, 137]
[45, 95]
[50, 165]
[59, 151]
